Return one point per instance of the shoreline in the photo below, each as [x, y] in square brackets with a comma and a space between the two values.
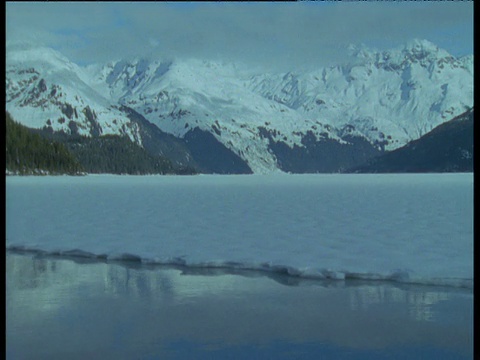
[286, 273]
[170, 312]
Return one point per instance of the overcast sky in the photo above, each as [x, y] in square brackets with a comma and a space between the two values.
[270, 34]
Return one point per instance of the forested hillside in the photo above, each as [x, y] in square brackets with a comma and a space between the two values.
[447, 148]
[114, 154]
[29, 153]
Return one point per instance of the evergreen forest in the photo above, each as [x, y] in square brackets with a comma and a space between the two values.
[28, 153]
[33, 151]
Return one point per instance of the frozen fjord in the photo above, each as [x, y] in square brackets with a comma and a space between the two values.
[410, 228]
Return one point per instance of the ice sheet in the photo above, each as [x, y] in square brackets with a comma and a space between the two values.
[401, 227]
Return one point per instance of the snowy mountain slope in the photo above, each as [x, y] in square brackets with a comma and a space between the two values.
[45, 89]
[447, 148]
[209, 96]
[382, 100]
[404, 93]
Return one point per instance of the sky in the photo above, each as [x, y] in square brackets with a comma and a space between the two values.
[277, 35]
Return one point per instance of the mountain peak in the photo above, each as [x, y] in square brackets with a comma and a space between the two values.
[420, 44]
[414, 50]
[424, 49]
[38, 56]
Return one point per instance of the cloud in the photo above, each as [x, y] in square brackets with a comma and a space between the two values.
[276, 35]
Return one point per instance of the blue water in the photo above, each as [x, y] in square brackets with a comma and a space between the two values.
[78, 309]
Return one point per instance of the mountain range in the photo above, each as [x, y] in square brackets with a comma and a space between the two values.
[220, 117]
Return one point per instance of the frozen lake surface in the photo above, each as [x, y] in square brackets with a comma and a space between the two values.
[415, 228]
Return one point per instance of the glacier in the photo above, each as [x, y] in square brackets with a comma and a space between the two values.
[396, 227]
[388, 98]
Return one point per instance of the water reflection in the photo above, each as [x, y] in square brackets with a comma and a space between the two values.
[420, 303]
[136, 308]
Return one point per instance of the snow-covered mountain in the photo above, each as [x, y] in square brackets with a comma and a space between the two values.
[43, 88]
[380, 101]
[403, 93]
